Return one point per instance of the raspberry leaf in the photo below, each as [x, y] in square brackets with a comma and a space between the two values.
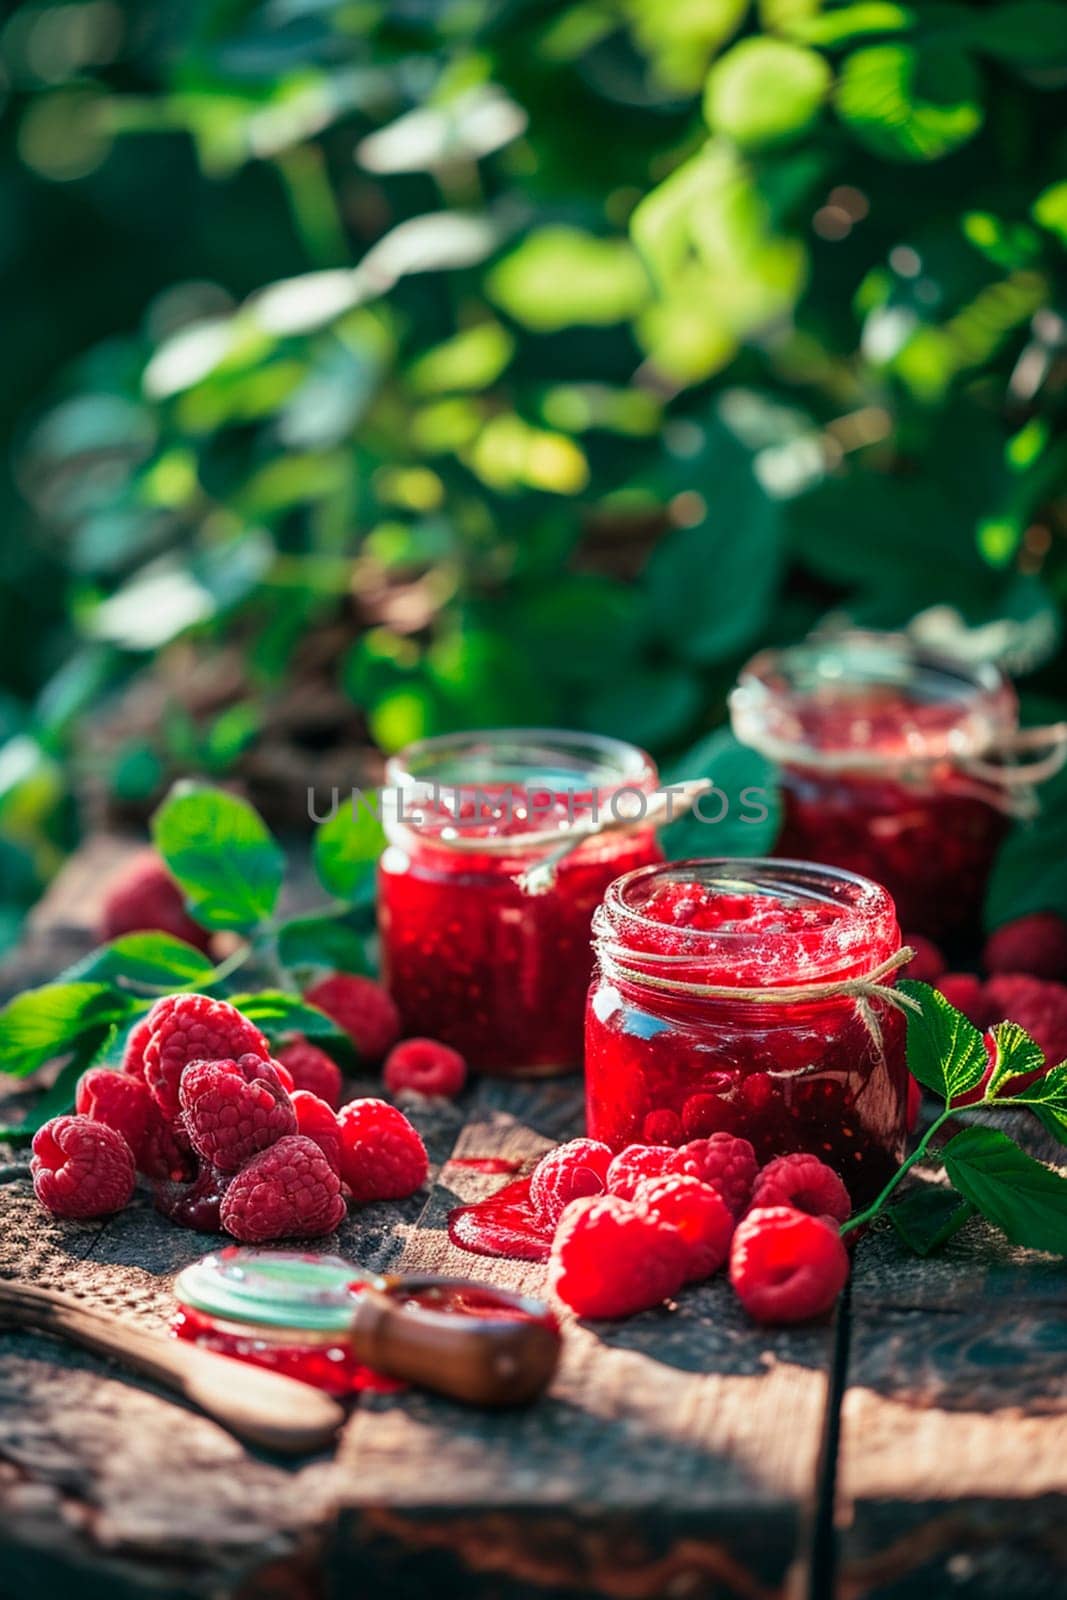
[927, 1218]
[44, 1023]
[60, 1097]
[1024, 1199]
[1016, 1053]
[1047, 1099]
[945, 1052]
[346, 851]
[279, 1014]
[156, 960]
[224, 857]
[309, 944]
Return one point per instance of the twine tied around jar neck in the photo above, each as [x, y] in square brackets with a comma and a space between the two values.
[991, 774]
[862, 990]
[665, 805]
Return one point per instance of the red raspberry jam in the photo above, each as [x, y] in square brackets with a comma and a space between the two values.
[800, 1074]
[879, 745]
[328, 1364]
[470, 956]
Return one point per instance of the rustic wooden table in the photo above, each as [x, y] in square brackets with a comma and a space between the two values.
[915, 1447]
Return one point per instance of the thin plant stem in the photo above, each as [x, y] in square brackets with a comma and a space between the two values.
[917, 1154]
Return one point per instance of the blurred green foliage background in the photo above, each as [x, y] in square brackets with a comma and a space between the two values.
[379, 367]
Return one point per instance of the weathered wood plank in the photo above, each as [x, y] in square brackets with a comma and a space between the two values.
[677, 1453]
[952, 1470]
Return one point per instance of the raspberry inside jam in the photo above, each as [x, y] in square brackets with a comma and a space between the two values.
[470, 956]
[809, 1074]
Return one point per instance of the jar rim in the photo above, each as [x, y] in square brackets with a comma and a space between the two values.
[782, 695]
[782, 957]
[558, 760]
[607, 760]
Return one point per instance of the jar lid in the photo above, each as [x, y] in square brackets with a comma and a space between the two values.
[861, 700]
[273, 1289]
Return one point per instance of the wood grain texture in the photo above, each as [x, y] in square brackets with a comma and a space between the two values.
[952, 1470]
[677, 1453]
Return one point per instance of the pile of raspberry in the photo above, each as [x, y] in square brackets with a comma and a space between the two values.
[1025, 981]
[230, 1138]
[631, 1230]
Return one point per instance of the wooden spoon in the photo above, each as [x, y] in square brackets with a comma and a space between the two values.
[263, 1407]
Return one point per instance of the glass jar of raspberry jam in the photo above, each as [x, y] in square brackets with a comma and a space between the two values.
[883, 754]
[767, 1054]
[475, 954]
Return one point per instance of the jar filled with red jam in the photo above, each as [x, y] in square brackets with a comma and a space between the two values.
[485, 935]
[884, 755]
[772, 1053]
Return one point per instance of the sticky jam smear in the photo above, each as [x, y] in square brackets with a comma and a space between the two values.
[332, 1368]
[505, 1224]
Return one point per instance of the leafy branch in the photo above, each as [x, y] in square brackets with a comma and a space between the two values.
[988, 1172]
[231, 871]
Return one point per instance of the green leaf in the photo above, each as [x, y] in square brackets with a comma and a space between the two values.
[910, 104]
[929, 1216]
[1030, 871]
[1026, 1200]
[59, 1098]
[765, 92]
[710, 586]
[346, 851]
[1026, 33]
[43, 1023]
[1016, 1053]
[1050, 210]
[560, 277]
[945, 1052]
[749, 823]
[225, 859]
[155, 960]
[1047, 1099]
[309, 943]
[278, 1014]
[652, 706]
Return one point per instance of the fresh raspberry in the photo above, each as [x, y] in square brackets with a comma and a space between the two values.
[144, 898]
[1036, 945]
[194, 1205]
[637, 1161]
[569, 1172]
[382, 1156]
[425, 1065]
[124, 1103]
[964, 991]
[316, 1120]
[81, 1168]
[786, 1266]
[234, 1109]
[725, 1161]
[698, 1214]
[805, 1183]
[365, 1011]
[1039, 1007]
[193, 1027]
[118, 1100]
[133, 1053]
[914, 1105]
[287, 1192]
[663, 1127]
[312, 1069]
[927, 964]
[611, 1258]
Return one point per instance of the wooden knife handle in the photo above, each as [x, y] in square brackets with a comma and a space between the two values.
[505, 1358]
[262, 1407]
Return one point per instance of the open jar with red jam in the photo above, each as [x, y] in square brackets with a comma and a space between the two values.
[887, 756]
[485, 935]
[715, 1007]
